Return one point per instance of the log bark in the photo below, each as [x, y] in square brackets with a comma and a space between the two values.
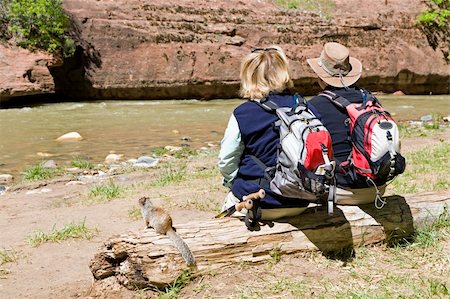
[144, 259]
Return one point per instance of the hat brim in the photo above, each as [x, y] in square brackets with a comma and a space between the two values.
[348, 80]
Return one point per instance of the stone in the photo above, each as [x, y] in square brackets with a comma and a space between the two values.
[398, 93]
[6, 178]
[43, 155]
[145, 162]
[426, 118]
[50, 164]
[145, 159]
[75, 183]
[71, 136]
[172, 148]
[113, 158]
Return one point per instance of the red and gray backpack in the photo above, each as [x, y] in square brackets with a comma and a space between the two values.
[304, 168]
[375, 140]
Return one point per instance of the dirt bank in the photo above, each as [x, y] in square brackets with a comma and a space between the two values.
[60, 270]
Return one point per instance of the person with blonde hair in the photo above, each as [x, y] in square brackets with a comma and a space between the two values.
[251, 135]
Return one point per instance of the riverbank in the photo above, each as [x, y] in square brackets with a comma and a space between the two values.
[52, 228]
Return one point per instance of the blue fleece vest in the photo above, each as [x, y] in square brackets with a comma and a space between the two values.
[261, 139]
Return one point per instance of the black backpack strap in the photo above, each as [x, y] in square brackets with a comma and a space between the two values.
[335, 99]
[267, 105]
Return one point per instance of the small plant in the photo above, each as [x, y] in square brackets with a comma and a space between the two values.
[430, 234]
[41, 24]
[39, 172]
[8, 256]
[160, 151]
[69, 231]
[435, 124]
[289, 4]
[170, 175]
[275, 254]
[107, 191]
[185, 152]
[134, 213]
[437, 15]
[172, 290]
[322, 7]
[82, 164]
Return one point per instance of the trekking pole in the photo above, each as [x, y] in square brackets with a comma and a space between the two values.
[248, 200]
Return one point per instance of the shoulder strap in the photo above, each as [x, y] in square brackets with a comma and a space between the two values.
[335, 99]
[267, 105]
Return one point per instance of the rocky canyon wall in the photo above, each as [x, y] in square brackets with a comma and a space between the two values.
[130, 49]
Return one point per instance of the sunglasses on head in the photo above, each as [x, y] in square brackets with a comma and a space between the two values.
[264, 50]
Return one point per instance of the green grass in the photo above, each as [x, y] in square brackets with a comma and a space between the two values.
[322, 7]
[106, 192]
[134, 213]
[438, 15]
[69, 231]
[38, 172]
[183, 152]
[427, 130]
[8, 256]
[174, 289]
[426, 170]
[429, 234]
[82, 164]
[170, 174]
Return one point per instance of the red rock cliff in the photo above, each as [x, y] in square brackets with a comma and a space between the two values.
[153, 49]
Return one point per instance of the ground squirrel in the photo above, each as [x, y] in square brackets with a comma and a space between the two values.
[161, 222]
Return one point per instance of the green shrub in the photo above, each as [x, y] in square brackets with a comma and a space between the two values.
[437, 15]
[4, 19]
[322, 7]
[82, 163]
[41, 24]
[69, 231]
[39, 172]
[106, 191]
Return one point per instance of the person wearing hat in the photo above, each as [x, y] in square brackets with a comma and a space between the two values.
[338, 72]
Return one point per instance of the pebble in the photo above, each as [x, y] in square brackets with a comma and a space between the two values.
[75, 183]
[113, 158]
[71, 136]
[398, 93]
[172, 148]
[39, 191]
[426, 118]
[50, 164]
[2, 189]
[6, 178]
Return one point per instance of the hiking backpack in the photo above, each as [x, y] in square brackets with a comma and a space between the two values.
[375, 141]
[304, 169]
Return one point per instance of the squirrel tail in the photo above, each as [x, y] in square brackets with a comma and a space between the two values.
[182, 247]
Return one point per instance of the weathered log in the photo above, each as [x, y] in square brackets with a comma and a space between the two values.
[144, 259]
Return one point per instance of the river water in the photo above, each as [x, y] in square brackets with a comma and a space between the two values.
[135, 128]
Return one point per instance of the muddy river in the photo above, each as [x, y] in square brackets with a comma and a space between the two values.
[135, 128]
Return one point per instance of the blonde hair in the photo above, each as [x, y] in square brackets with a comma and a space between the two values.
[264, 70]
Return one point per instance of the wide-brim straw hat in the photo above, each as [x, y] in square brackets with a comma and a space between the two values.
[335, 66]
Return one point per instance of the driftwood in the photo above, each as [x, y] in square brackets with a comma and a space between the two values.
[144, 259]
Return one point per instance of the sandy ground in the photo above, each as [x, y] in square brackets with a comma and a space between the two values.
[60, 270]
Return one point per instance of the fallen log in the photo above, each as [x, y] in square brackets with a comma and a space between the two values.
[144, 259]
